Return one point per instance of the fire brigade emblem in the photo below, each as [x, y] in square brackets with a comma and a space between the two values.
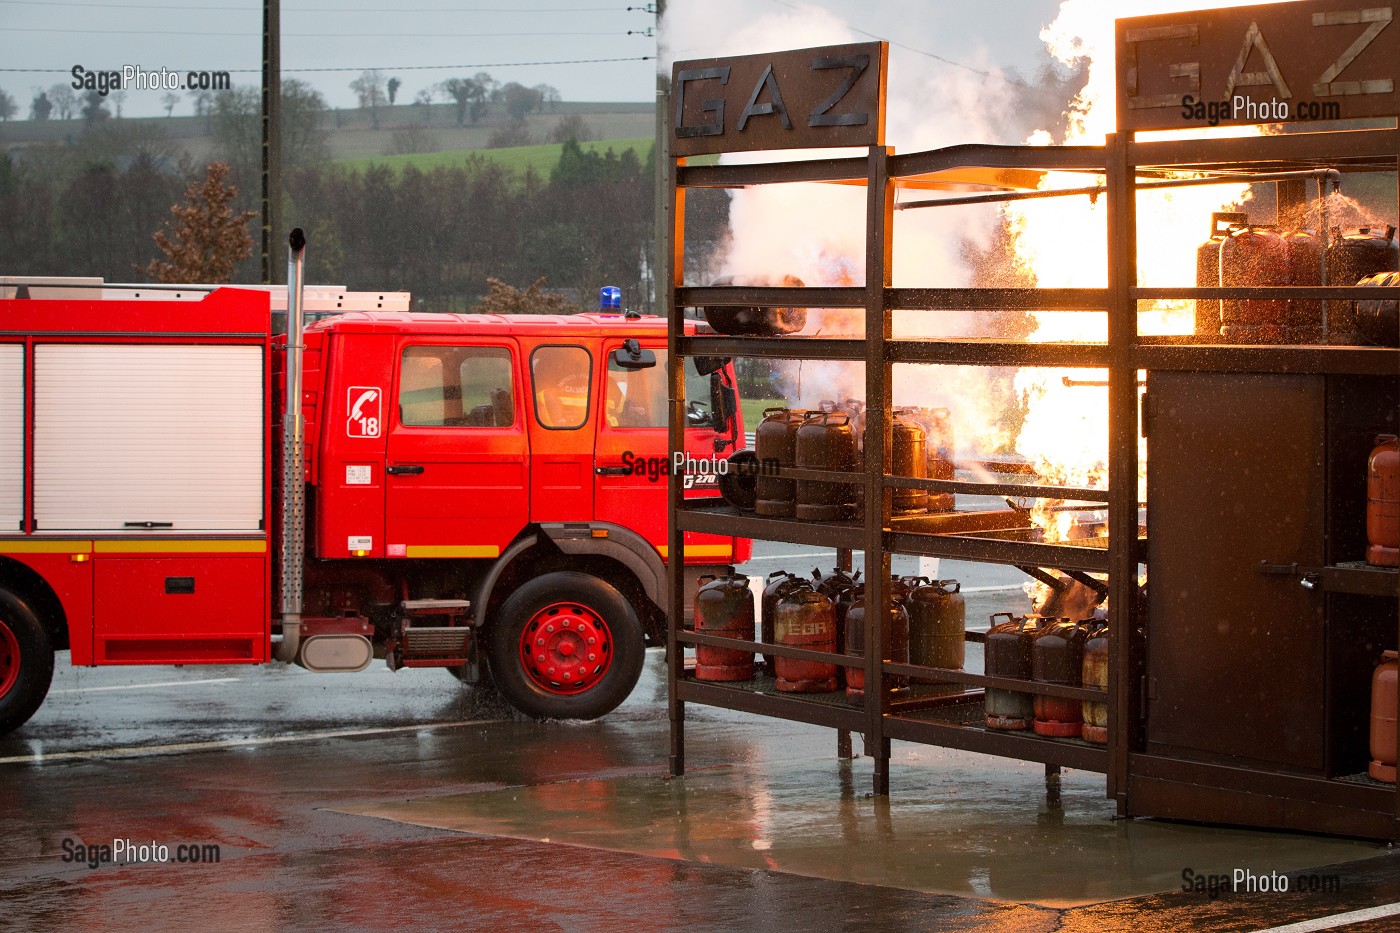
[363, 402]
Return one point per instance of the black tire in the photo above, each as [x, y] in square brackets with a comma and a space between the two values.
[584, 596]
[28, 676]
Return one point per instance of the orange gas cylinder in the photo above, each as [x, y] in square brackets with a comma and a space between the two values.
[1096, 678]
[724, 607]
[806, 619]
[896, 637]
[1057, 657]
[1383, 503]
[1384, 704]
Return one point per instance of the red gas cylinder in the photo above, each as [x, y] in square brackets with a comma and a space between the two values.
[1253, 257]
[1384, 704]
[724, 607]
[1383, 504]
[806, 619]
[781, 584]
[775, 442]
[1058, 658]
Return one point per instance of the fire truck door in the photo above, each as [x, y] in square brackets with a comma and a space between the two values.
[562, 433]
[455, 475]
[633, 460]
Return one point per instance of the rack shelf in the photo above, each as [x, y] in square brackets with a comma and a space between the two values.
[1144, 774]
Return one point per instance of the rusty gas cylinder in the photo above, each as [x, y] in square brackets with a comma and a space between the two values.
[1351, 257]
[1384, 704]
[938, 445]
[1378, 319]
[1383, 503]
[1304, 315]
[1208, 272]
[776, 446]
[843, 588]
[724, 607]
[1095, 677]
[937, 624]
[780, 585]
[895, 634]
[908, 457]
[1058, 658]
[1008, 654]
[825, 442]
[1253, 257]
[806, 619]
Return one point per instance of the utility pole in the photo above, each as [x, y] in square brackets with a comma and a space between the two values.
[271, 134]
[659, 280]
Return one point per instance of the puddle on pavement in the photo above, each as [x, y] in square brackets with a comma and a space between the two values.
[955, 824]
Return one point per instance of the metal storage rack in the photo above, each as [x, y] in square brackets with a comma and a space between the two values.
[1141, 783]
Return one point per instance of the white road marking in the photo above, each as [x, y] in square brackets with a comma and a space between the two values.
[1337, 920]
[164, 683]
[141, 751]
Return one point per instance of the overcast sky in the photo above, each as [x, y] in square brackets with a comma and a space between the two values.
[423, 42]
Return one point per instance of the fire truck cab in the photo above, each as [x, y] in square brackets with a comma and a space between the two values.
[484, 493]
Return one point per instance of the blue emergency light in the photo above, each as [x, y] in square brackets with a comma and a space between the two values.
[610, 298]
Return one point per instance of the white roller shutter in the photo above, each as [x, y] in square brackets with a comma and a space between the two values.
[163, 434]
[11, 437]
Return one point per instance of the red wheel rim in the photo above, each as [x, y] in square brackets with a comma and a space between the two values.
[9, 659]
[566, 648]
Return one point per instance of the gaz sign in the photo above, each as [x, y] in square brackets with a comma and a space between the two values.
[363, 420]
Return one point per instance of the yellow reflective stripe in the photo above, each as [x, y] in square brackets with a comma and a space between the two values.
[31, 546]
[701, 550]
[453, 550]
[179, 546]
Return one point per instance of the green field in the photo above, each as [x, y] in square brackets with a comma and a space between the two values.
[753, 410]
[540, 158]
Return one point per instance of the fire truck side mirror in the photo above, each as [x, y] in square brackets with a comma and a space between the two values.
[631, 356]
[724, 403]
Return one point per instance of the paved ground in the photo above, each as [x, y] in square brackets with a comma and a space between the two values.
[379, 800]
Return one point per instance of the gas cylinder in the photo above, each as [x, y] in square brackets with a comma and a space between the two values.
[938, 445]
[1383, 503]
[780, 585]
[776, 444]
[1304, 317]
[896, 643]
[843, 588]
[1352, 257]
[1253, 257]
[1095, 677]
[825, 441]
[1008, 654]
[937, 624]
[909, 457]
[1208, 271]
[806, 619]
[1058, 658]
[738, 481]
[1378, 320]
[899, 588]
[753, 321]
[1384, 703]
[724, 607]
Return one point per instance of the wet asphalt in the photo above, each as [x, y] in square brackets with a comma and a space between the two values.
[403, 801]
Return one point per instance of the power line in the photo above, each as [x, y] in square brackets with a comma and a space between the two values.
[316, 35]
[909, 48]
[237, 71]
[227, 9]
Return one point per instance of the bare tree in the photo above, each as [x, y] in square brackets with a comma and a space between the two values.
[424, 101]
[8, 107]
[507, 299]
[119, 98]
[65, 102]
[549, 94]
[369, 88]
[169, 99]
[207, 239]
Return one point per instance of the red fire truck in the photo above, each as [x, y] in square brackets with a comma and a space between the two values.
[484, 493]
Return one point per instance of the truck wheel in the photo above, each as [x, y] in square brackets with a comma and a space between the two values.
[26, 663]
[566, 645]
